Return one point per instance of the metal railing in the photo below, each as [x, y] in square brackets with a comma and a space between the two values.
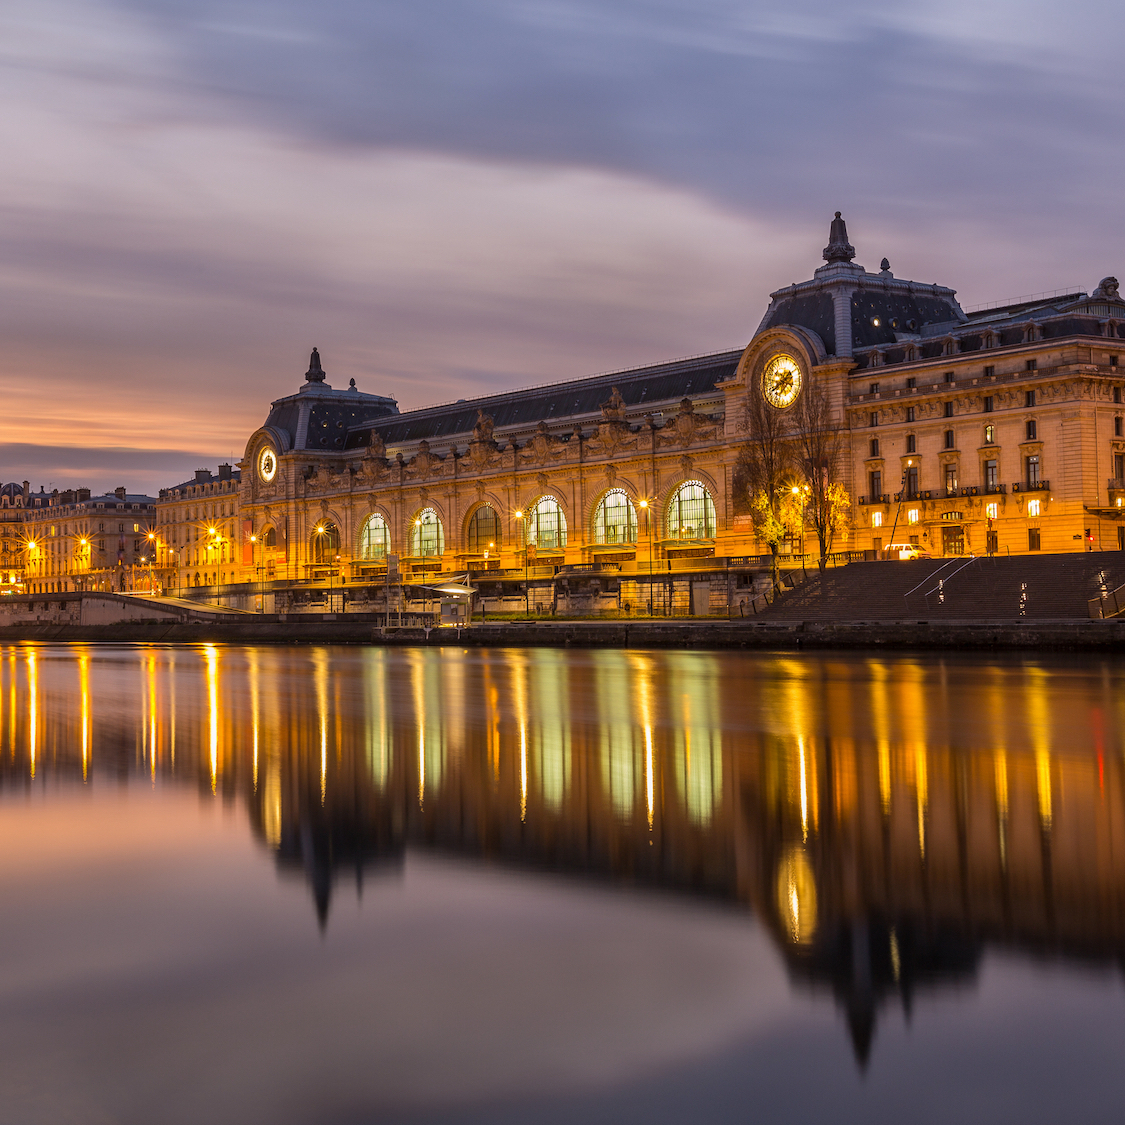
[1107, 606]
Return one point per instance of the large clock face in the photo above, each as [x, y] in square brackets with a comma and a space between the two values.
[267, 465]
[781, 381]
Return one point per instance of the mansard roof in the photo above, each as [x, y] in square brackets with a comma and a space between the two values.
[642, 388]
[883, 308]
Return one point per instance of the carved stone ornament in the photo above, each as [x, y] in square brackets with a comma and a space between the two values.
[482, 431]
[613, 409]
[542, 447]
[484, 452]
[423, 495]
[480, 490]
[610, 475]
[687, 464]
[424, 463]
[541, 479]
[687, 426]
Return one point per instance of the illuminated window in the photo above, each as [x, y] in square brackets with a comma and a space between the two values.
[1033, 508]
[992, 511]
[484, 529]
[374, 539]
[989, 435]
[691, 512]
[546, 525]
[876, 519]
[615, 520]
[912, 515]
[427, 535]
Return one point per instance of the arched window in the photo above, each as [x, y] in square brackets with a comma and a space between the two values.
[427, 536]
[615, 520]
[325, 543]
[546, 525]
[691, 512]
[484, 530]
[374, 539]
[270, 539]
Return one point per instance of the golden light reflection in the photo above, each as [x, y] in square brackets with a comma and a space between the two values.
[884, 753]
[255, 711]
[1000, 768]
[796, 896]
[84, 693]
[320, 664]
[32, 708]
[212, 656]
[922, 793]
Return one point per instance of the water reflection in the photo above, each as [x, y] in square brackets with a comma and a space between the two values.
[887, 820]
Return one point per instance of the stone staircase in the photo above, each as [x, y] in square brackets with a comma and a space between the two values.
[1035, 587]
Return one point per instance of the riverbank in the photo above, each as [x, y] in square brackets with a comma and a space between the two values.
[699, 633]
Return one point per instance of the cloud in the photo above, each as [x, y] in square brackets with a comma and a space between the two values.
[454, 198]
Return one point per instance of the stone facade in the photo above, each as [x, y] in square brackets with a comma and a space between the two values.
[999, 430]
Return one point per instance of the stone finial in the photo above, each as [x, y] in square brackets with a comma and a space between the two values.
[351, 384]
[839, 249]
[885, 267]
[315, 373]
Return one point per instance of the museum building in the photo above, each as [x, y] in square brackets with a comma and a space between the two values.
[993, 431]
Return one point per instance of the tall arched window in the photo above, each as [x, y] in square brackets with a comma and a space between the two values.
[374, 539]
[270, 539]
[691, 512]
[484, 529]
[325, 543]
[546, 525]
[427, 536]
[615, 520]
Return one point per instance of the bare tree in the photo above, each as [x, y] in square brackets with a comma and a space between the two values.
[765, 472]
[819, 448]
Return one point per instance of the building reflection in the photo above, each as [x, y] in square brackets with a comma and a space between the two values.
[890, 821]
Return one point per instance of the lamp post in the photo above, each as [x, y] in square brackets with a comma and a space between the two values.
[648, 529]
[526, 589]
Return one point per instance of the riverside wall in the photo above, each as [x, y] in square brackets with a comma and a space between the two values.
[1099, 636]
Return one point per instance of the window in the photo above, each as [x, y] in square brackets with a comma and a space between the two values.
[913, 515]
[325, 543]
[875, 480]
[484, 530]
[949, 410]
[874, 389]
[910, 413]
[1032, 429]
[1116, 394]
[991, 475]
[989, 371]
[949, 440]
[1029, 398]
[1117, 426]
[989, 404]
[951, 480]
[691, 512]
[1119, 466]
[874, 447]
[546, 525]
[911, 443]
[1033, 472]
[912, 482]
[949, 376]
[874, 419]
[911, 383]
[615, 520]
[268, 540]
[1113, 361]
[427, 536]
[989, 435]
[374, 539]
[876, 519]
[1031, 365]
[1033, 539]
[1033, 508]
[992, 511]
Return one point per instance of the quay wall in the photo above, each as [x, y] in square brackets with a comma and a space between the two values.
[1100, 636]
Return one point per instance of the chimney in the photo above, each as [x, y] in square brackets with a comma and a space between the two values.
[202, 476]
[26, 490]
[83, 495]
[119, 493]
[224, 472]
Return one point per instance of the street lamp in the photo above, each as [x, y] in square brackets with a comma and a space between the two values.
[643, 504]
[526, 589]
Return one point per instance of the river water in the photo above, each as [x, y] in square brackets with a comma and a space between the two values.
[350, 885]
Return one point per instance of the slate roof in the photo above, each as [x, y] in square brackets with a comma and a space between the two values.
[658, 386]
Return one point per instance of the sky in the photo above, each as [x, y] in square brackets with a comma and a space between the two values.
[454, 197]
